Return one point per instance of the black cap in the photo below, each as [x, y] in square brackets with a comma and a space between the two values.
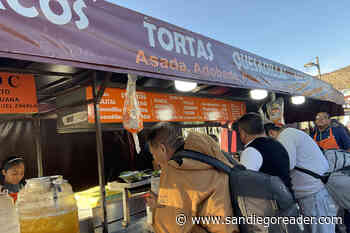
[271, 126]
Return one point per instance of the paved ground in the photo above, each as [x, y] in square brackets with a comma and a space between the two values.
[137, 225]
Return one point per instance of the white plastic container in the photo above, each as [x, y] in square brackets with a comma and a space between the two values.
[155, 184]
[9, 221]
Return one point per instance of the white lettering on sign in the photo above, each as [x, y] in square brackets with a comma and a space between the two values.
[78, 8]
[144, 110]
[113, 109]
[248, 62]
[111, 117]
[190, 42]
[163, 101]
[59, 19]
[165, 39]
[161, 106]
[141, 96]
[29, 12]
[211, 104]
[62, 19]
[108, 101]
[182, 44]
[173, 97]
[189, 112]
[210, 109]
[189, 102]
[190, 108]
[143, 103]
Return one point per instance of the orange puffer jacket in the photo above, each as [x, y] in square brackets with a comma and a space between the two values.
[194, 189]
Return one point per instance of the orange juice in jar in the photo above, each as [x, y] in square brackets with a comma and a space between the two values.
[64, 223]
[46, 207]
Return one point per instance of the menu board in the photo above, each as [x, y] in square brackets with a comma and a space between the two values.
[166, 107]
[17, 94]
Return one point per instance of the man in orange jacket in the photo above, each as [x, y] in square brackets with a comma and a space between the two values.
[189, 189]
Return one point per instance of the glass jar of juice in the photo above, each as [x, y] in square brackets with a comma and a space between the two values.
[47, 205]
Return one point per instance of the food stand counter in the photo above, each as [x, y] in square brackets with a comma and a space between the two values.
[90, 211]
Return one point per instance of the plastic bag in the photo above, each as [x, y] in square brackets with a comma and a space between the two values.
[263, 115]
[275, 110]
[132, 117]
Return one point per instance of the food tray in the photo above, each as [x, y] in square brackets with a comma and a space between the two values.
[120, 186]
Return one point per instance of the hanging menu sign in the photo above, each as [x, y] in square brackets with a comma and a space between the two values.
[17, 94]
[191, 110]
[112, 103]
[166, 107]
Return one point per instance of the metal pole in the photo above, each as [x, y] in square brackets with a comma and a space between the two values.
[100, 158]
[318, 67]
[39, 155]
[273, 97]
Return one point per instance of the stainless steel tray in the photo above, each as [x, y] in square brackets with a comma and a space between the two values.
[117, 186]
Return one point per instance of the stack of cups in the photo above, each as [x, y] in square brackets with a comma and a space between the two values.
[9, 222]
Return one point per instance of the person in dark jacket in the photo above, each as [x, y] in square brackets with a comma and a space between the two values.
[262, 153]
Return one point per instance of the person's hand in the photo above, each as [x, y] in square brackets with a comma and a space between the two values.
[156, 165]
[152, 199]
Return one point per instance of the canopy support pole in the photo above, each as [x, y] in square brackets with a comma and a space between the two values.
[39, 154]
[99, 143]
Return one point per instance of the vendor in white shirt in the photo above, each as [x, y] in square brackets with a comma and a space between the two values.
[310, 192]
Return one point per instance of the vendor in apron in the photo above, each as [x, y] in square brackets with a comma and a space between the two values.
[12, 174]
[328, 137]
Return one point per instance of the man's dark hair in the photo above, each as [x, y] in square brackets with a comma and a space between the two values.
[251, 123]
[167, 134]
[271, 126]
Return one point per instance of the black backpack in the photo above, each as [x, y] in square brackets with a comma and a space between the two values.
[337, 179]
[255, 194]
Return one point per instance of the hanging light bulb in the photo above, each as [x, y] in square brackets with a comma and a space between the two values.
[298, 100]
[258, 94]
[185, 86]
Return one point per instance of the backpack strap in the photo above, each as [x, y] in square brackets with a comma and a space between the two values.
[324, 179]
[230, 159]
[189, 154]
[218, 165]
